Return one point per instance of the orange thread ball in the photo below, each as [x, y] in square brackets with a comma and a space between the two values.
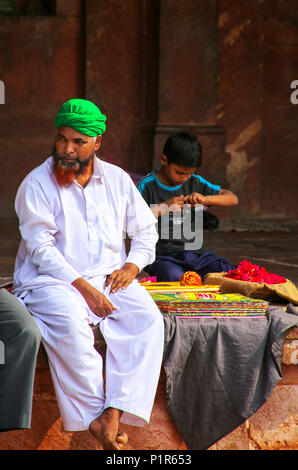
[190, 278]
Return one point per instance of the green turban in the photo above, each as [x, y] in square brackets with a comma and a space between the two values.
[83, 116]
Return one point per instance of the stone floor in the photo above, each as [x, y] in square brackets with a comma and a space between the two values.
[275, 249]
[270, 428]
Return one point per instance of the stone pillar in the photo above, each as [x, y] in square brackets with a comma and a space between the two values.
[188, 80]
[113, 73]
[188, 62]
[240, 45]
[121, 76]
[279, 193]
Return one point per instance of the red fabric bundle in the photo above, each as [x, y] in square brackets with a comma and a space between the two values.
[246, 271]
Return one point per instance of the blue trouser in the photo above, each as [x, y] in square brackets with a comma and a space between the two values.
[171, 267]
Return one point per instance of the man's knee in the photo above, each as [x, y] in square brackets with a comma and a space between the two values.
[160, 323]
[19, 322]
[30, 333]
[33, 332]
[156, 317]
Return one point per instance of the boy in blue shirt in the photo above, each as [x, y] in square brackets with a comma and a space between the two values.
[174, 192]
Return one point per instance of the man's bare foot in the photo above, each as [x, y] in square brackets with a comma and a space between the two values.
[105, 428]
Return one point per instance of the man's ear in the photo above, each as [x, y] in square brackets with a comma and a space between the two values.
[97, 142]
[164, 160]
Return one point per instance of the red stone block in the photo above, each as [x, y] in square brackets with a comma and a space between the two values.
[47, 431]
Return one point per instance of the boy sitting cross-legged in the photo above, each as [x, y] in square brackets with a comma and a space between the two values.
[174, 192]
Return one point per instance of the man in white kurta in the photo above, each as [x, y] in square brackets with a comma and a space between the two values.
[76, 232]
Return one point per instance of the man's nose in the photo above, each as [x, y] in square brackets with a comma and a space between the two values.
[69, 148]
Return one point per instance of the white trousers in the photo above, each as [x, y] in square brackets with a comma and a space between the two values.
[134, 334]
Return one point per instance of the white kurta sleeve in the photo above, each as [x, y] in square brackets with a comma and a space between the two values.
[141, 228]
[38, 228]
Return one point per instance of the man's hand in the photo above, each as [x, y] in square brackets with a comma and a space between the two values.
[97, 302]
[121, 278]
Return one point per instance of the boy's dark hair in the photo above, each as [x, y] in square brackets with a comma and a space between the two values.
[183, 149]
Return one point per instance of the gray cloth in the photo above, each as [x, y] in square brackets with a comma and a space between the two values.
[20, 340]
[221, 371]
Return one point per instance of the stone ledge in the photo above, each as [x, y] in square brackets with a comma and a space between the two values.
[290, 349]
[289, 355]
[273, 426]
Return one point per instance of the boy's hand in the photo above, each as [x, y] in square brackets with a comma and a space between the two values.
[175, 204]
[224, 198]
[195, 198]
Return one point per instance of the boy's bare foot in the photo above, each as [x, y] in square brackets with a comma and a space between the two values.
[105, 428]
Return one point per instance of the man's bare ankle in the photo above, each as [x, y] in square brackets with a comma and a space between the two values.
[106, 429]
[115, 412]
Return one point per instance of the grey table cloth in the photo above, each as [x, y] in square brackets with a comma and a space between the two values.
[219, 372]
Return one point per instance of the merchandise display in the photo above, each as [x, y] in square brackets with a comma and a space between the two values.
[204, 304]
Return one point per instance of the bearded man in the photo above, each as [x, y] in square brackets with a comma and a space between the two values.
[72, 270]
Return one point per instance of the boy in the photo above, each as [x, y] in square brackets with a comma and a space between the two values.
[174, 192]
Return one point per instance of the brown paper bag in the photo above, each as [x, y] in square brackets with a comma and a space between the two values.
[255, 290]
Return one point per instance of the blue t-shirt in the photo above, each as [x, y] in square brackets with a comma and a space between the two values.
[173, 235]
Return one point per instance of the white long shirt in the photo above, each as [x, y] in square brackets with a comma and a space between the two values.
[72, 232]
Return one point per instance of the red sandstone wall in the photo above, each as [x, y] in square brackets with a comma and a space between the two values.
[258, 50]
[114, 74]
[41, 64]
[222, 69]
